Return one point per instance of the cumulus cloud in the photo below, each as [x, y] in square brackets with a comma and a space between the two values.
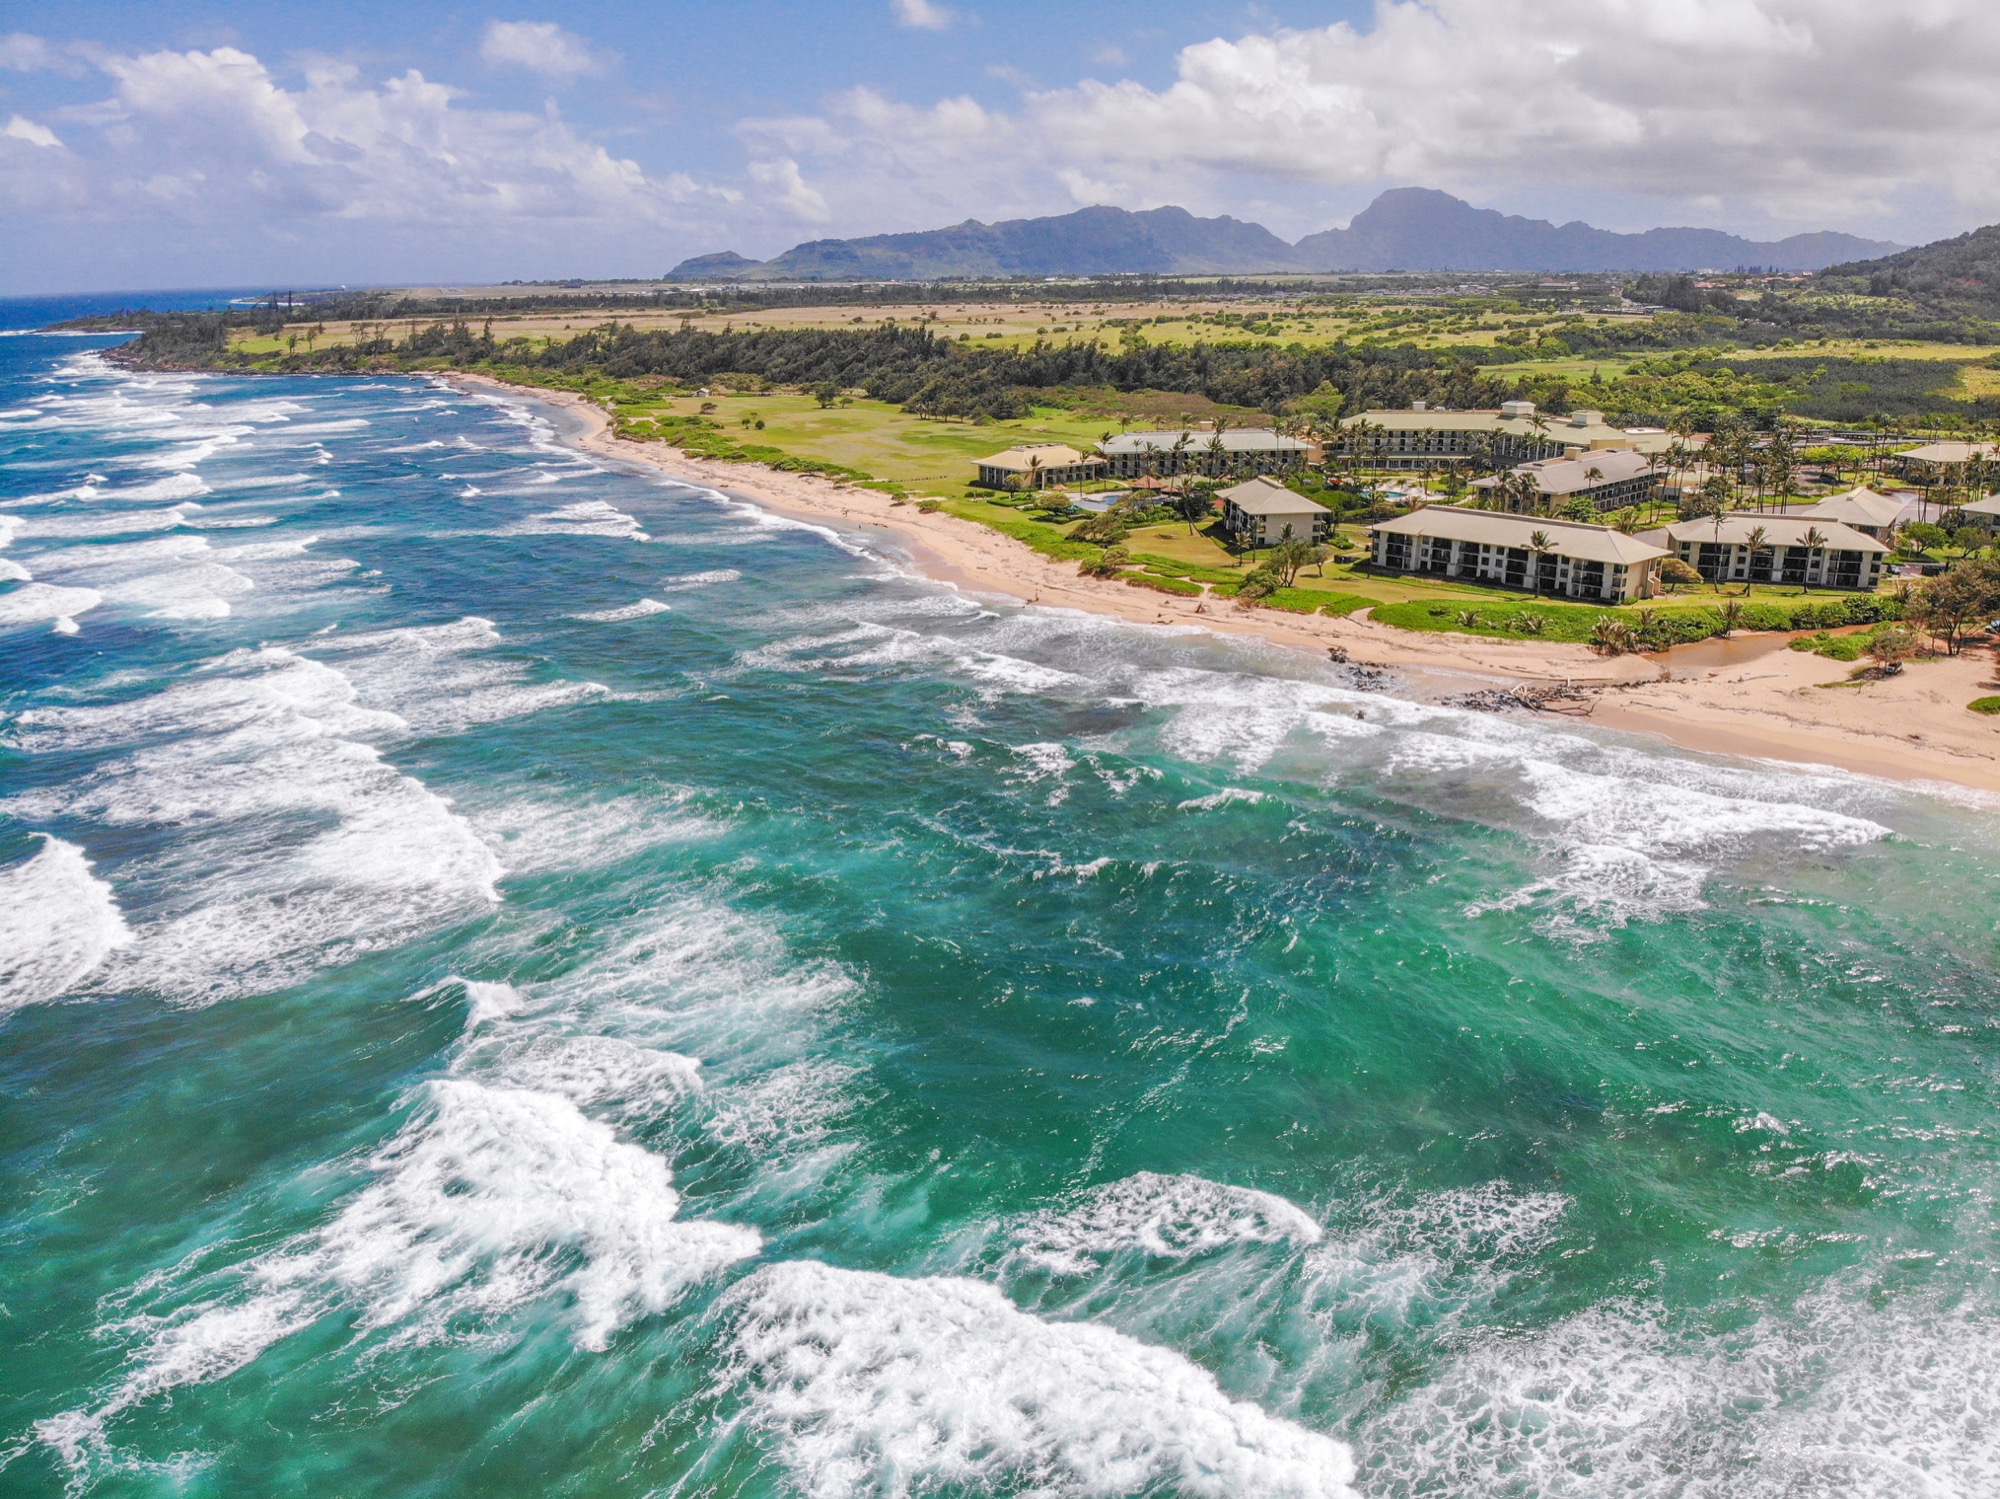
[789, 188]
[216, 131]
[540, 47]
[1800, 112]
[922, 13]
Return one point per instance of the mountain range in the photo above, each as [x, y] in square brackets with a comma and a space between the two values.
[1406, 229]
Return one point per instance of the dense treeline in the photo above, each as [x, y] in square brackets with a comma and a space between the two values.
[933, 375]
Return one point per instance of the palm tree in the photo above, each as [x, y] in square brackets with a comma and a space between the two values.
[1538, 545]
[1754, 542]
[1813, 541]
[1034, 471]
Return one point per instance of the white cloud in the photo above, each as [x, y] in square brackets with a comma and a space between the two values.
[922, 13]
[1763, 113]
[22, 129]
[540, 47]
[790, 189]
[213, 141]
[22, 53]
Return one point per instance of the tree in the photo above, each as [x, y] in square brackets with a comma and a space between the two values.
[1291, 554]
[826, 393]
[1538, 545]
[1579, 509]
[1922, 536]
[1676, 573]
[1893, 644]
[1950, 605]
[1034, 471]
[1754, 543]
[1194, 504]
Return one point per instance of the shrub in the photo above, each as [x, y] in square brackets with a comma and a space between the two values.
[1180, 587]
[1985, 705]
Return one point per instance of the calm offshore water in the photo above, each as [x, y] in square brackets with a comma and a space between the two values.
[518, 977]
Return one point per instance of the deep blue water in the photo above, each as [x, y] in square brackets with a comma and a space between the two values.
[523, 977]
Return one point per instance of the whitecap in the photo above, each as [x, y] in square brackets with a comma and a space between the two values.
[638, 610]
[1166, 1217]
[871, 1384]
[58, 922]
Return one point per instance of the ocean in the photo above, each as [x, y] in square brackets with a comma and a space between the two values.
[519, 976]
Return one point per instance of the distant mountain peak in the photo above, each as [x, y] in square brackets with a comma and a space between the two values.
[1405, 228]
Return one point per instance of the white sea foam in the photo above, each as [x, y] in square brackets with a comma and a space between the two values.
[1838, 1396]
[873, 1385]
[1167, 1217]
[34, 603]
[707, 579]
[58, 922]
[300, 847]
[624, 612]
[439, 680]
[584, 518]
[531, 834]
[489, 1199]
[1221, 798]
[102, 523]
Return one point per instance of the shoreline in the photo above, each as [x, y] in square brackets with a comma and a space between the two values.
[1746, 697]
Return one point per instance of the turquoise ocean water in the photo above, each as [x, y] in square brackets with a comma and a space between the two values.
[524, 978]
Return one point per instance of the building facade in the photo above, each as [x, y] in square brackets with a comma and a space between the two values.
[1263, 512]
[1562, 558]
[1422, 438]
[1038, 465]
[1745, 548]
[1256, 450]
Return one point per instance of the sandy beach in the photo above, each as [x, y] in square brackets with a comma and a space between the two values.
[1747, 696]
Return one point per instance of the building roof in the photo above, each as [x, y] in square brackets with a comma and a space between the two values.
[1051, 454]
[1234, 440]
[1862, 507]
[1567, 538]
[1951, 452]
[1988, 506]
[1559, 476]
[1266, 496]
[1565, 431]
[1779, 531]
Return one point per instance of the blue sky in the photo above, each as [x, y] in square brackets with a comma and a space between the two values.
[227, 143]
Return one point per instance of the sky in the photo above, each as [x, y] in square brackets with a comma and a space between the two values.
[234, 143]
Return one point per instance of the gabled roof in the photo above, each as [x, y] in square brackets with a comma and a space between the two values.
[1988, 506]
[1566, 538]
[1858, 506]
[1951, 452]
[1558, 476]
[1051, 454]
[1235, 440]
[1266, 496]
[1779, 531]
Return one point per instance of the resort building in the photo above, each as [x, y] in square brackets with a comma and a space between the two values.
[1264, 513]
[1610, 480]
[1566, 558]
[1745, 548]
[1038, 465]
[1871, 514]
[1423, 438]
[1933, 462]
[1257, 450]
[1984, 512]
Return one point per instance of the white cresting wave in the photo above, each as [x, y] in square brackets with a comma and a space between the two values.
[874, 1385]
[300, 847]
[1167, 1217]
[58, 922]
